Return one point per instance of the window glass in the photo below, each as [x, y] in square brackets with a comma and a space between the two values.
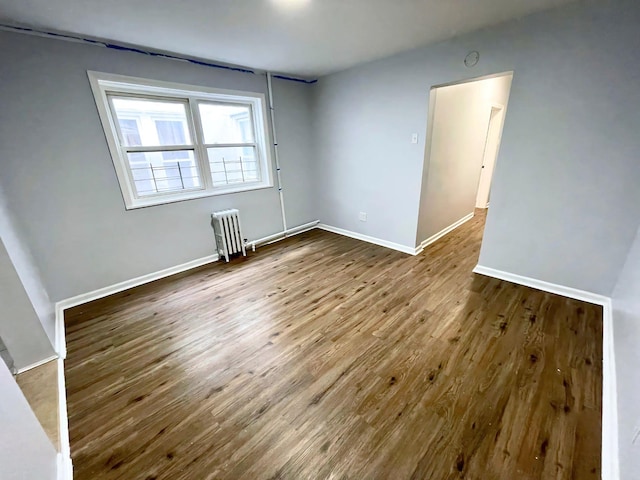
[153, 173]
[130, 132]
[223, 123]
[170, 132]
[230, 165]
[158, 122]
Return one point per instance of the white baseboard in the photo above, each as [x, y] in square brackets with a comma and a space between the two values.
[610, 459]
[610, 462]
[65, 466]
[544, 286]
[116, 288]
[282, 235]
[60, 343]
[134, 282]
[442, 233]
[36, 364]
[367, 238]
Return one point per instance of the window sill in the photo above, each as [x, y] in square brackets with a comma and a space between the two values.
[134, 204]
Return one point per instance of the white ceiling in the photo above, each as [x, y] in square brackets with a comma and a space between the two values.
[301, 37]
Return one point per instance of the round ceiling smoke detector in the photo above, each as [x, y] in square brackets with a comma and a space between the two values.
[471, 60]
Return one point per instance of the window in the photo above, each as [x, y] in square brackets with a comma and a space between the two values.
[172, 142]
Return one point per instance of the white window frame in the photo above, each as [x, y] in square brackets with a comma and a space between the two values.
[104, 84]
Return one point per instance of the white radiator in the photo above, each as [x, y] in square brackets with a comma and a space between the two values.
[228, 233]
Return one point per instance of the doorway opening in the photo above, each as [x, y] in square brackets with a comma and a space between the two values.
[491, 148]
[464, 131]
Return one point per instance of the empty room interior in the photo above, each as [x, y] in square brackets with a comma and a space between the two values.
[305, 239]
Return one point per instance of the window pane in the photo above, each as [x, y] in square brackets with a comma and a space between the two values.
[130, 132]
[232, 165]
[151, 123]
[170, 132]
[226, 123]
[158, 172]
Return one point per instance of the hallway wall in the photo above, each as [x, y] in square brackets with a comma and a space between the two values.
[452, 165]
[25, 450]
[20, 327]
[626, 327]
[26, 268]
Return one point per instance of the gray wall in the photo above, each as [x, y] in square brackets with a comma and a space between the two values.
[363, 119]
[25, 451]
[20, 327]
[26, 269]
[565, 183]
[5, 355]
[60, 180]
[292, 106]
[27, 318]
[626, 327]
[459, 129]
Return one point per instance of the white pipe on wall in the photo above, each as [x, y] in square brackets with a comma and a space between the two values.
[275, 151]
[282, 235]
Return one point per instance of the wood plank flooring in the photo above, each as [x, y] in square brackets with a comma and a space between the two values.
[40, 387]
[322, 357]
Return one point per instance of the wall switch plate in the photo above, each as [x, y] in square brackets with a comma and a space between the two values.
[362, 216]
[414, 138]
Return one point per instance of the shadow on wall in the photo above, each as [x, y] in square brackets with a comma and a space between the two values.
[6, 356]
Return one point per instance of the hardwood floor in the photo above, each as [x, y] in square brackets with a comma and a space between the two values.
[40, 387]
[324, 357]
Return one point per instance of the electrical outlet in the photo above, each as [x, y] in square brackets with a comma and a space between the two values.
[363, 216]
[414, 138]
